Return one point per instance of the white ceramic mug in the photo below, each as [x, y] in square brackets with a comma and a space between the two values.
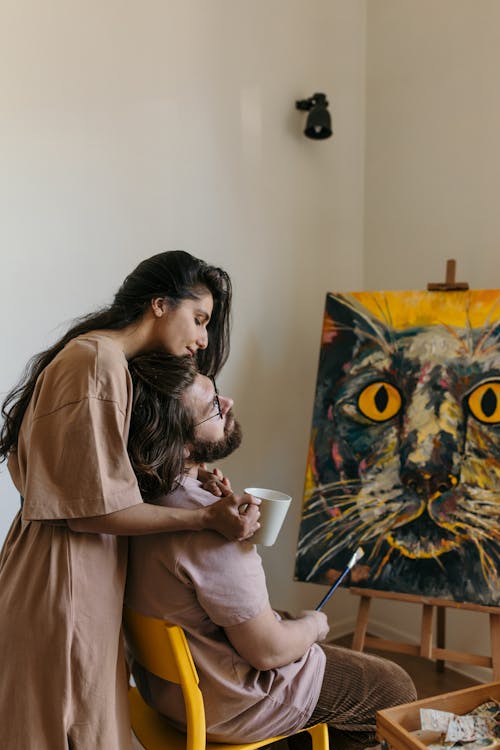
[273, 509]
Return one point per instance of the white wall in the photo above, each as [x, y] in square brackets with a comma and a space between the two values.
[433, 159]
[433, 176]
[128, 128]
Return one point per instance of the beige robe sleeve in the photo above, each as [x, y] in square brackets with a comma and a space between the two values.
[78, 464]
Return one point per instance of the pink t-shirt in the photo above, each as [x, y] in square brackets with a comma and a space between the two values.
[205, 583]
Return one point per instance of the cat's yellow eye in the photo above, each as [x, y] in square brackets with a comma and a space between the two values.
[484, 402]
[379, 401]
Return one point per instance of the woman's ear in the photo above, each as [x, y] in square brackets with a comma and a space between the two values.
[159, 306]
[187, 451]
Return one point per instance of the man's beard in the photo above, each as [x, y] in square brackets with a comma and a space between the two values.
[208, 451]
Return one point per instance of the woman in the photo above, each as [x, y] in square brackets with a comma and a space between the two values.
[62, 567]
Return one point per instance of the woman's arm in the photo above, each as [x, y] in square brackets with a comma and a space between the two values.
[268, 643]
[223, 516]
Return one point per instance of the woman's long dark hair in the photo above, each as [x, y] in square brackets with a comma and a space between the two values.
[176, 276]
[161, 423]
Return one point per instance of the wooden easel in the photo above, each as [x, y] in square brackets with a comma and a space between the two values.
[426, 647]
[449, 284]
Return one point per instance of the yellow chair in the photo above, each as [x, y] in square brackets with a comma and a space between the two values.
[162, 649]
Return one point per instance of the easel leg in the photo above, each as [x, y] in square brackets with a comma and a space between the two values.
[426, 631]
[495, 645]
[441, 636]
[358, 641]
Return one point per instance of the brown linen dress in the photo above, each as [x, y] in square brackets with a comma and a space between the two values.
[62, 677]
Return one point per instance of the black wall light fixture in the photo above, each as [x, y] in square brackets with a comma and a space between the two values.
[318, 123]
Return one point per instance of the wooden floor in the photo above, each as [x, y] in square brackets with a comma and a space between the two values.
[428, 681]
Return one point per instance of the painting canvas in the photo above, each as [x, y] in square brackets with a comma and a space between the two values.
[404, 455]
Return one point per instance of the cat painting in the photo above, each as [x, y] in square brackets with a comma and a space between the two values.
[405, 445]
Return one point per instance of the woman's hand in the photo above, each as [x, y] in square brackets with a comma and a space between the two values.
[213, 481]
[234, 516]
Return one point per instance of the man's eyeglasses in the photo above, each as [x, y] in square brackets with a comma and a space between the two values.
[216, 406]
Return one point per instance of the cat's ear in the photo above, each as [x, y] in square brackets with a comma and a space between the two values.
[348, 327]
[347, 317]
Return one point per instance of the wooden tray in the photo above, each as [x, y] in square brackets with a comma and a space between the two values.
[398, 726]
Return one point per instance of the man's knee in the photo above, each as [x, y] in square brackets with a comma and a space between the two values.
[395, 682]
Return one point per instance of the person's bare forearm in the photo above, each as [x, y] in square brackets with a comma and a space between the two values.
[268, 643]
[137, 520]
[294, 640]
[141, 519]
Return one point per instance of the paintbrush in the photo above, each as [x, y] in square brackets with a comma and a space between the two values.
[352, 562]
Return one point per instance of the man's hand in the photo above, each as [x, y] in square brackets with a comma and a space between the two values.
[234, 516]
[213, 481]
[266, 642]
[321, 622]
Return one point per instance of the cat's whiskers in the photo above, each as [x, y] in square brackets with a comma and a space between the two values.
[336, 483]
[320, 505]
[479, 508]
[490, 332]
[323, 498]
[318, 534]
[330, 488]
[482, 531]
[488, 564]
[357, 540]
[364, 531]
[348, 521]
[353, 503]
[323, 532]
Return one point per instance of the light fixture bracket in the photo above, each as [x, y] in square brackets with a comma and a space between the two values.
[315, 100]
[319, 123]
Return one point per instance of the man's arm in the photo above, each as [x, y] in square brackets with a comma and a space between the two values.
[267, 643]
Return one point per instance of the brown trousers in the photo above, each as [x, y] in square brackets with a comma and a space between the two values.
[356, 686]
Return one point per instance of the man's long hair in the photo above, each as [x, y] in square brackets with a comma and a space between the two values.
[161, 423]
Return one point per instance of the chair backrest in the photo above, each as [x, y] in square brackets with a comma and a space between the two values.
[161, 648]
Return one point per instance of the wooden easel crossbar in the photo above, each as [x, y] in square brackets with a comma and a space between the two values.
[426, 647]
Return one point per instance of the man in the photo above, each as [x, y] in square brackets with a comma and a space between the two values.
[260, 675]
